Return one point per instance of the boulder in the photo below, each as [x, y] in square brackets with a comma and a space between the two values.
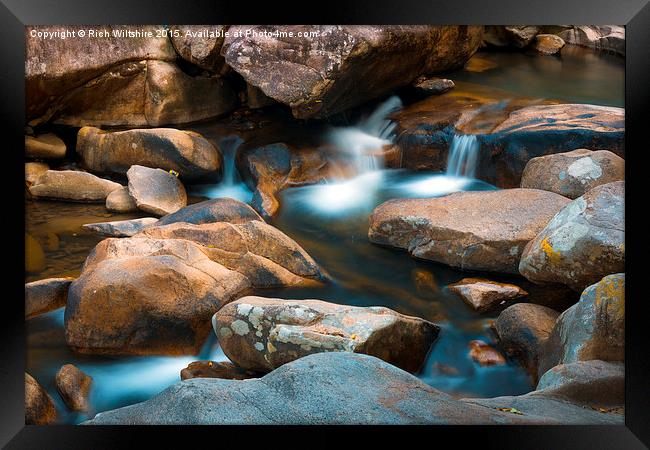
[255, 98]
[211, 369]
[45, 295]
[261, 334]
[156, 191]
[572, 174]
[521, 36]
[484, 354]
[608, 38]
[332, 388]
[523, 329]
[39, 407]
[584, 242]
[74, 387]
[320, 74]
[186, 152]
[548, 44]
[33, 170]
[431, 86]
[484, 230]
[214, 210]
[483, 295]
[200, 45]
[120, 228]
[44, 146]
[120, 201]
[593, 328]
[34, 255]
[72, 185]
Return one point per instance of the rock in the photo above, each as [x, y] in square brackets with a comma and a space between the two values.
[548, 44]
[331, 388]
[156, 191]
[33, 170]
[255, 98]
[45, 295]
[34, 255]
[74, 386]
[319, 75]
[120, 201]
[484, 354]
[261, 334]
[591, 382]
[72, 185]
[39, 407]
[44, 146]
[431, 86]
[584, 242]
[573, 173]
[186, 152]
[214, 210]
[609, 38]
[120, 228]
[482, 294]
[523, 329]
[200, 45]
[521, 36]
[485, 230]
[211, 369]
[593, 328]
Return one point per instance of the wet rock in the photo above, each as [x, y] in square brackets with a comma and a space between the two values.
[332, 388]
[33, 170]
[214, 210]
[34, 255]
[71, 185]
[521, 36]
[431, 86]
[484, 230]
[573, 173]
[44, 146]
[212, 369]
[255, 98]
[186, 152]
[584, 242]
[320, 75]
[39, 407]
[45, 295]
[593, 328]
[200, 45]
[262, 334]
[156, 191]
[523, 329]
[548, 44]
[484, 354]
[483, 295]
[120, 228]
[120, 201]
[609, 38]
[74, 387]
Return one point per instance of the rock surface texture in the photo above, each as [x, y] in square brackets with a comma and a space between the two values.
[120, 228]
[45, 295]
[156, 191]
[39, 407]
[74, 386]
[482, 294]
[72, 185]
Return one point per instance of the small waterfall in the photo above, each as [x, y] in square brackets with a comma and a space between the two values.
[463, 156]
[229, 146]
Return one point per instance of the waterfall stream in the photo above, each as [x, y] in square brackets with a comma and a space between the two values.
[463, 156]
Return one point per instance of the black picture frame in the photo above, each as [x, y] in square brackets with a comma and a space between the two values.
[15, 14]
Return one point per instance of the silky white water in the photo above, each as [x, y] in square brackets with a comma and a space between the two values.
[463, 156]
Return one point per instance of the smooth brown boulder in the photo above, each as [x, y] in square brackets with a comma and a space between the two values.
[214, 210]
[482, 294]
[44, 146]
[261, 334]
[485, 230]
[156, 191]
[120, 228]
[74, 387]
[39, 407]
[200, 45]
[547, 44]
[120, 201]
[322, 74]
[211, 369]
[572, 174]
[72, 185]
[185, 152]
[45, 295]
[33, 170]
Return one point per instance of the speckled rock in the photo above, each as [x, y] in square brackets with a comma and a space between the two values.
[211, 369]
[609, 38]
[120, 201]
[261, 334]
[572, 174]
[432, 86]
[120, 228]
[156, 191]
[45, 295]
[200, 45]
[215, 210]
[484, 354]
[593, 328]
[482, 294]
[584, 242]
[44, 146]
[72, 185]
[548, 44]
[33, 170]
[74, 387]
[39, 407]
[484, 230]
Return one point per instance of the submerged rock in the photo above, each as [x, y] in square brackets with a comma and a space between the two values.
[120, 201]
[45, 295]
[74, 387]
[548, 44]
[482, 294]
[120, 228]
[262, 334]
[39, 407]
[484, 354]
[44, 146]
[72, 185]
[572, 174]
[484, 230]
[211, 369]
[214, 210]
[156, 191]
[584, 242]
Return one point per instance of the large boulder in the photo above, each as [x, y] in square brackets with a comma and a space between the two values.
[200, 45]
[72, 185]
[484, 230]
[44, 146]
[188, 153]
[609, 38]
[548, 44]
[39, 407]
[261, 334]
[332, 388]
[74, 387]
[572, 174]
[326, 70]
[593, 328]
[215, 210]
[156, 191]
[45, 295]
[120, 228]
[584, 242]
[483, 295]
